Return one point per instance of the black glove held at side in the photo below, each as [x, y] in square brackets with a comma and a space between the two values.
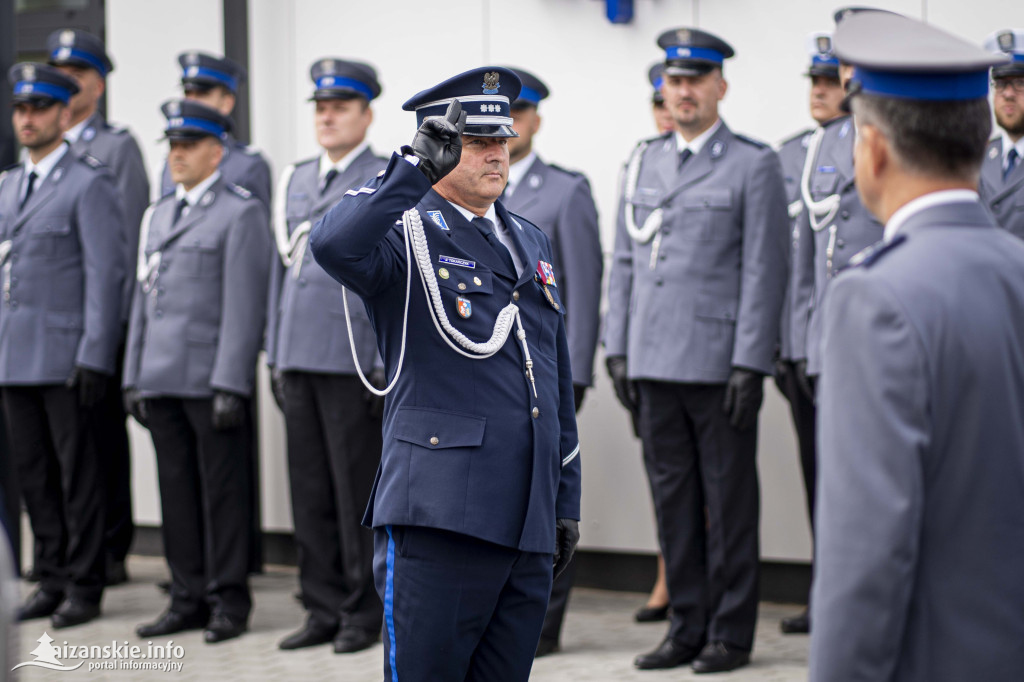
[625, 389]
[374, 402]
[277, 382]
[91, 385]
[228, 411]
[743, 395]
[135, 405]
[438, 143]
[567, 535]
[803, 380]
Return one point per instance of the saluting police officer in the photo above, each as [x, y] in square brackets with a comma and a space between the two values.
[826, 95]
[833, 219]
[195, 332]
[214, 81]
[697, 282]
[61, 251]
[83, 57]
[920, 544]
[333, 423]
[559, 202]
[477, 496]
[1002, 173]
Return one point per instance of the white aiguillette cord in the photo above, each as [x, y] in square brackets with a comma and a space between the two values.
[416, 240]
[823, 212]
[291, 248]
[641, 235]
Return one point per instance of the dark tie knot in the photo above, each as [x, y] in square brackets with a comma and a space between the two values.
[179, 208]
[684, 155]
[485, 226]
[328, 177]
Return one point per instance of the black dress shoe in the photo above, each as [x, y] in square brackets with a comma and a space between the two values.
[796, 625]
[116, 573]
[164, 586]
[719, 657]
[651, 614]
[222, 628]
[669, 654]
[350, 640]
[312, 634]
[546, 646]
[171, 622]
[40, 604]
[74, 611]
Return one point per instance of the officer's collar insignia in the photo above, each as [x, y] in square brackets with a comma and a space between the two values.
[533, 181]
[683, 35]
[88, 134]
[192, 58]
[438, 219]
[845, 130]
[28, 72]
[67, 38]
[717, 149]
[465, 307]
[1006, 41]
[327, 65]
[805, 141]
[58, 173]
[207, 199]
[491, 84]
[993, 153]
[545, 273]
[460, 262]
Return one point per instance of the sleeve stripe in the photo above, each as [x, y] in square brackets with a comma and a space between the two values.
[361, 190]
[572, 455]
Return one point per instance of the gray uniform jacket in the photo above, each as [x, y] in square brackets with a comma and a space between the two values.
[119, 152]
[63, 274]
[242, 165]
[800, 284]
[199, 327]
[920, 512]
[559, 202]
[852, 229]
[709, 299]
[1005, 198]
[306, 328]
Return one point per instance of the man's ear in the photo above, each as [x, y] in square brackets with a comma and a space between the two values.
[876, 151]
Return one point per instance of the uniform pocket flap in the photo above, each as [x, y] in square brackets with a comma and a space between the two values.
[717, 308]
[708, 198]
[464, 280]
[647, 197]
[437, 429]
[56, 225]
[198, 334]
[199, 242]
[824, 182]
[66, 321]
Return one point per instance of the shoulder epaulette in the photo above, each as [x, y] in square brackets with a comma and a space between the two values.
[794, 138]
[116, 128]
[655, 138]
[749, 140]
[240, 191]
[6, 169]
[867, 257]
[92, 161]
[251, 151]
[303, 162]
[574, 173]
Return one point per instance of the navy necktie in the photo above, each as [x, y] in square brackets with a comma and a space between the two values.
[28, 190]
[179, 209]
[683, 156]
[1011, 162]
[328, 176]
[486, 228]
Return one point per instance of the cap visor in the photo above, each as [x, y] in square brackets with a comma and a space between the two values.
[1011, 69]
[490, 131]
[40, 101]
[825, 72]
[335, 93]
[689, 68]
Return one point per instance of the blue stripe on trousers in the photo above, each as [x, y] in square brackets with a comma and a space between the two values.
[389, 604]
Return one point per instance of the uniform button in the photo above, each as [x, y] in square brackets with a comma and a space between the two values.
[536, 412]
[840, 243]
[659, 282]
[302, 282]
[846, 215]
[662, 256]
[462, 286]
[515, 295]
[434, 440]
[158, 313]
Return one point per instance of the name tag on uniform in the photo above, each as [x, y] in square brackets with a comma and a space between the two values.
[460, 262]
[438, 219]
[826, 169]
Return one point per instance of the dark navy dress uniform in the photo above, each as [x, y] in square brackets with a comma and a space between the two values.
[242, 165]
[196, 329]
[334, 442]
[476, 467]
[1002, 174]
[62, 274]
[117, 148]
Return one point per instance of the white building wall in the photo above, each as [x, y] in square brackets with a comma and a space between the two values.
[598, 110]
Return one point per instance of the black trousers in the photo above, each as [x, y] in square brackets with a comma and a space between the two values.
[10, 497]
[204, 498]
[803, 411]
[334, 450]
[695, 461]
[61, 479]
[110, 429]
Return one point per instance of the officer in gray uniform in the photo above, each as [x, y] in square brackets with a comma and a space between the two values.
[663, 120]
[559, 202]
[1002, 174]
[196, 329]
[696, 288]
[333, 423]
[834, 220]
[83, 57]
[62, 271]
[825, 98]
[920, 547]
[214, 81]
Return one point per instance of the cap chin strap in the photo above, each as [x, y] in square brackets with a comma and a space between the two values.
[641, 235]
[416, 243]
[291, 248]
[820, 213]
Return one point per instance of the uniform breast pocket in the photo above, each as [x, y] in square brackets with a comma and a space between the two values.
[824, 182]
[644, 201]
[707, 214]
[199, 257]
[52, 237]
[463, 290]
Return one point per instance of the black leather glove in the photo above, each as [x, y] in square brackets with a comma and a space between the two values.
[625, 389]
[438, 143]
[782, 371]
[567, 534]
[228, 411]
[805, 382]
[277, 382]
[578, 392]
[374, 402]
[135, 405]
[743, 395]
[92, 386]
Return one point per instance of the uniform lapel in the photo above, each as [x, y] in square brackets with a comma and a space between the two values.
[529, 188]
[529, 249]
[355, 173]
[9, 187]
[465, 236]
[195, 214]
[44, 192]
[698, 167]
[992, 167]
